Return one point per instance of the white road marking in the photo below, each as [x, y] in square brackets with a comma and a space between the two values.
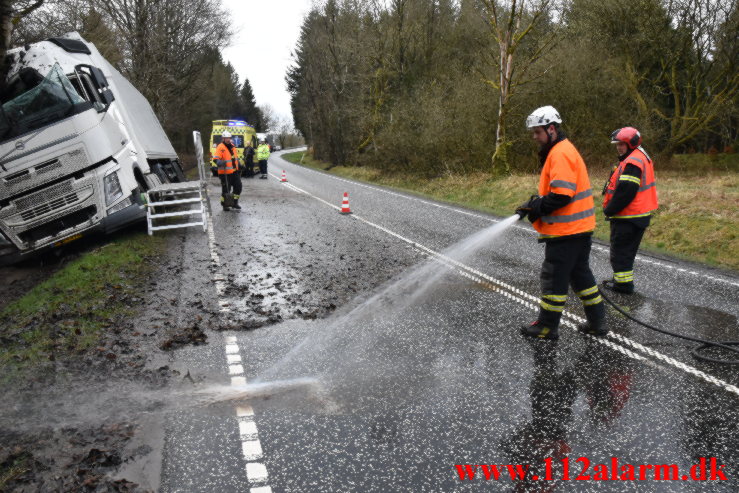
[261, 489]
[256, 472]
[639, 257]
[532, 301]
[251, 448]
[247, 428]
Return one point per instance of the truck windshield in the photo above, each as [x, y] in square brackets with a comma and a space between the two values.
[53, 99]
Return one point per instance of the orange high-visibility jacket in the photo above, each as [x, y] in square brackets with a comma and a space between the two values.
[222, 153]
[645, 202]
[564, 173]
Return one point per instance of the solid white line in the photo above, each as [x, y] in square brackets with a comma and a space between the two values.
[639, 257]
[521, 296]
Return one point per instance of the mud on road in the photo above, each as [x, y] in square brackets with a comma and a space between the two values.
[86, 424]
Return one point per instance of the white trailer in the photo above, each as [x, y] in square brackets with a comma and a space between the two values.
[79, 147]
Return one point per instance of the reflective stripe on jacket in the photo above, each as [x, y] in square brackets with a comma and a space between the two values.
[263, 152]
[645, 202]
[564, 173]
[230, 162]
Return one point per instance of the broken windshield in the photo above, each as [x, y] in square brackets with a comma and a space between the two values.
[53, 99]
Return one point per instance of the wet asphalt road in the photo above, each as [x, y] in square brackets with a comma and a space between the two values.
[418, 376]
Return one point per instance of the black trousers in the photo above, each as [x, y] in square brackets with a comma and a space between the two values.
[625, 239]
[231, 184]
[567, 263]
[263, 166]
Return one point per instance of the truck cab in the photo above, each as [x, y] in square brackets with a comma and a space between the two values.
[78, 146]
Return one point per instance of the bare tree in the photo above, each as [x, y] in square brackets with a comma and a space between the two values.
[270, 120]
[511, 22]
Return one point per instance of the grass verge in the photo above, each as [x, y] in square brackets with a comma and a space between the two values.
[66, 314]
[697, 219]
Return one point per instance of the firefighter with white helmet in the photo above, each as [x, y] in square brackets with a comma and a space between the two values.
[564, 215]
[227, 161]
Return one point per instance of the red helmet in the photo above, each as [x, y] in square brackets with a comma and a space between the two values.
[628, 135]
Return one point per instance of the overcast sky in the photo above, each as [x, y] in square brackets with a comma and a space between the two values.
[260, 50]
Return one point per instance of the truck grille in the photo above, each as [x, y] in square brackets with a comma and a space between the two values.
[65, 222]
[42, 209]
[37, 175]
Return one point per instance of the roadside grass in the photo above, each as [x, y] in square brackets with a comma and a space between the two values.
[66, 314]
[697, 220]
[12, 468]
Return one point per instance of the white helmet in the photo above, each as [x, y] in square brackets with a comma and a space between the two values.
[226, 134]
[542, 117]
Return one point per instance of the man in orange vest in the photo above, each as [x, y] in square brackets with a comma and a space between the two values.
[227, 161]
[630, 198]
[563, 213]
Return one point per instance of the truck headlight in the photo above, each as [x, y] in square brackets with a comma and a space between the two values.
[112, 188]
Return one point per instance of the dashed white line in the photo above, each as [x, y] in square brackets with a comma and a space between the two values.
[639, 257]
[251, 448]
[531, 301]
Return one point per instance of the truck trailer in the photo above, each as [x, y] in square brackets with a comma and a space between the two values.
[79, 146]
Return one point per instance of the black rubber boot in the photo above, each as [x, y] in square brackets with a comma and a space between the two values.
[596, 327]
[619, 287]
[539, 331]
[236, 205]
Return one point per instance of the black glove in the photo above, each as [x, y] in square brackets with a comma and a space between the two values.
[525, 209]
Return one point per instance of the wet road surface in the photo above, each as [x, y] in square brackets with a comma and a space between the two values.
[419, 360]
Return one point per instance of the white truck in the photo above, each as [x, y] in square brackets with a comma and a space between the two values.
[79, 145]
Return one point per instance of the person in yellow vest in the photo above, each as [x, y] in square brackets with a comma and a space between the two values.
[262, 157]
[227, 161]
[564, 215]
[630, 198]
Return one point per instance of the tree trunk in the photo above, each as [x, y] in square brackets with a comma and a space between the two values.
[6, 29]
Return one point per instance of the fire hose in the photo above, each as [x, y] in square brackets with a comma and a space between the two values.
[696, 352]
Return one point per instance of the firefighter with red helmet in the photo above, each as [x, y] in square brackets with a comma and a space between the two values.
[564, 215]
[630, 199]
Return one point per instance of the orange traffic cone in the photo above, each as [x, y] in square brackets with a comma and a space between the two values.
[345, 204]
[284, 178]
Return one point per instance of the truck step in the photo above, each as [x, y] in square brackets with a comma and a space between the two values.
[176, 187]
[175, 202]
[175, 226]
[190, 212]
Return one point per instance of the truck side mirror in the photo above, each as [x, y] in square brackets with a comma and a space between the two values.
[107, 97]
[98, 77]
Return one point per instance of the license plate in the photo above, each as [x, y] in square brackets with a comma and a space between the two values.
[68, 240]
